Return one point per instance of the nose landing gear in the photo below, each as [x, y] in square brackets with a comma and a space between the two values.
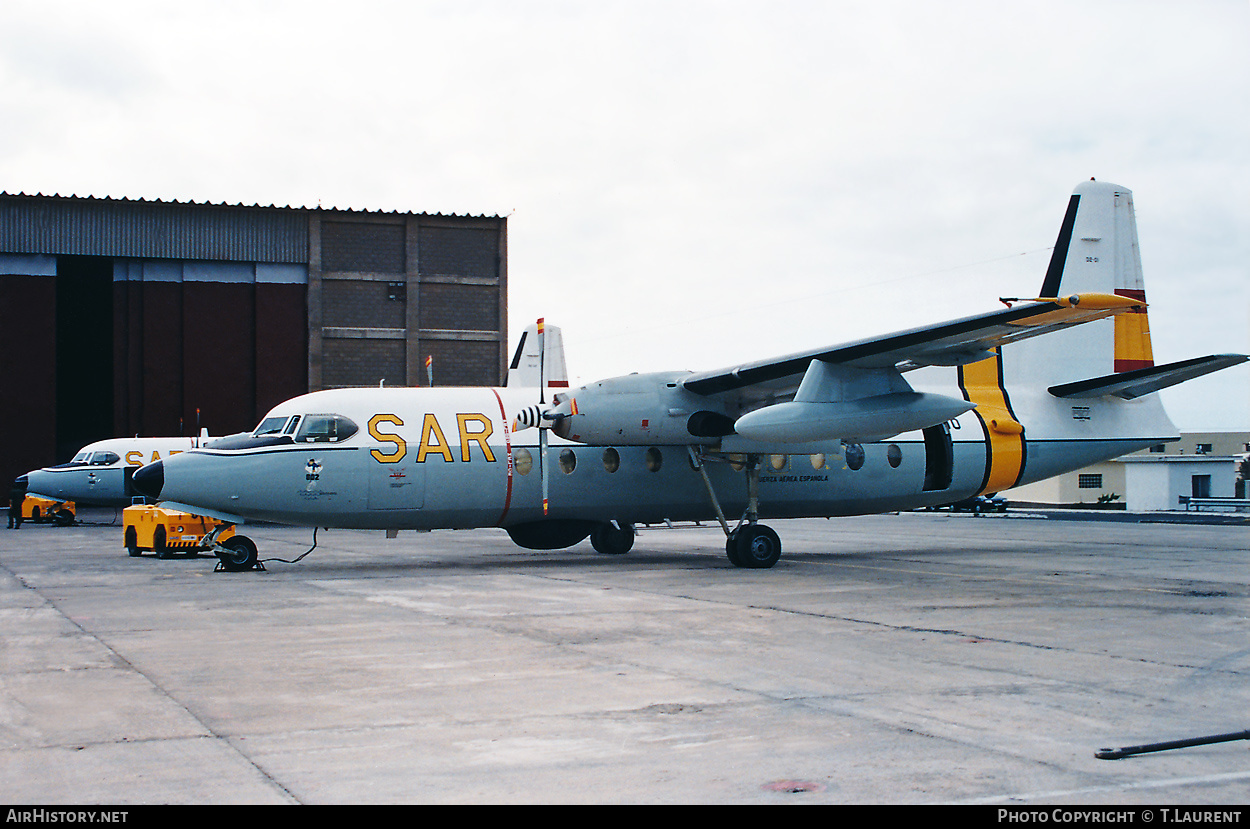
[234, 555]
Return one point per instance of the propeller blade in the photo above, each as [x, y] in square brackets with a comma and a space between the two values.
[542, 400]
[542, 462]
[542, 361]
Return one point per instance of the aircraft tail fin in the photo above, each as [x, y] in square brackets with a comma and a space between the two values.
[526, 370]
[1097, 251]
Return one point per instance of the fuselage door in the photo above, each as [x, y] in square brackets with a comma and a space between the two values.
[939, 458]
[396, 485]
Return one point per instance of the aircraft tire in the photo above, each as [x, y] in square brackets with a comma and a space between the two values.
[63, 518]
[242, 555]
[608, 540]
[757, 547]
[731, 548]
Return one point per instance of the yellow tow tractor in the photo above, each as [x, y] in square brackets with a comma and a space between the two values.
[41, 510]
[168, 531]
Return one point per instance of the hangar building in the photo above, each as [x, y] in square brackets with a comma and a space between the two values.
[122, 317]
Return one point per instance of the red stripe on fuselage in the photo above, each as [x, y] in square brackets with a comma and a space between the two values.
[507, 442]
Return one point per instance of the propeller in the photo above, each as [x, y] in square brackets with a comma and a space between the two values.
[542, 416]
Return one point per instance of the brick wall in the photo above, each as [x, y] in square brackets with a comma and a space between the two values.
[360, 362]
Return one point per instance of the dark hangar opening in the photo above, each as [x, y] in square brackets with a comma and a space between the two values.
[84, 352]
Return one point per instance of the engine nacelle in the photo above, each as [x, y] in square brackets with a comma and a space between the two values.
[866, 419]
[640, 409]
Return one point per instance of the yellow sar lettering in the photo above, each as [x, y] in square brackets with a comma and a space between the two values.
[135, 457]
[477, 436]
[401, 447]
[432, 441]
[472, 428]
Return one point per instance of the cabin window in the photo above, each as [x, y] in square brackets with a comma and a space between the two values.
[269, 426]
[818, 461]
[611, 460]
[854, 456]
[654, 459]
[568, 461]
[894, 455]
[522, 460]
[325, 429]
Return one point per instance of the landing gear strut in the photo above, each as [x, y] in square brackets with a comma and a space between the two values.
[234, 555]
[750, 544]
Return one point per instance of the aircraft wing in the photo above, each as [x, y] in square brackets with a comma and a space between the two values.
[954, 343]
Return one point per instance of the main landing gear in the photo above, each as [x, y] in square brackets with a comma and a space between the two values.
[612, 539]
[750, 544]
[753, 545]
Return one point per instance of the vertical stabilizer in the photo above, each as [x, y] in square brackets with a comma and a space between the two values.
[1097, 252]
[527, 370]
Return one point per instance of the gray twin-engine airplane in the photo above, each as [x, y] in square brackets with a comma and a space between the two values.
[917, 418]
[100, 473]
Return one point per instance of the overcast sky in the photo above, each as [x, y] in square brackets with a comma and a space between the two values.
[687, 184]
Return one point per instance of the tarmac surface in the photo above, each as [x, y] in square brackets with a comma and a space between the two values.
[919, 658]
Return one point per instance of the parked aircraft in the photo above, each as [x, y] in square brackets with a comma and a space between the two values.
[917, 418]
[100, 473]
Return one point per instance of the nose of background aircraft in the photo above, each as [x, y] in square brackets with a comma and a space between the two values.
[36, 480]
[150, 479]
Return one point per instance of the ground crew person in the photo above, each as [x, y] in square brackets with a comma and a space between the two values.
[16, 496]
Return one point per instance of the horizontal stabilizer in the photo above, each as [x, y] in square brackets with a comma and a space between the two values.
[1132, 384]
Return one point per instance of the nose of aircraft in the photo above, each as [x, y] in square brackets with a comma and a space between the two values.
[150, 479]
[36, 480]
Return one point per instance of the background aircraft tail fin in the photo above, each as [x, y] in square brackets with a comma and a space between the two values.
[526, 370]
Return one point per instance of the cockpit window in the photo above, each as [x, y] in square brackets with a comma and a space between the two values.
[269, 426]
[104, 458]
[325, 428]
[290, 427]
[81, 457]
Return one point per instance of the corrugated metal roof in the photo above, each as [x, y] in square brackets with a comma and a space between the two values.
[90, 226]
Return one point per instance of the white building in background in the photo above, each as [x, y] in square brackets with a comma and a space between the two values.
[1160, 482]
[1200, 464]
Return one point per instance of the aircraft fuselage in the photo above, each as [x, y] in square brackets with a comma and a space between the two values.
[425, 458]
